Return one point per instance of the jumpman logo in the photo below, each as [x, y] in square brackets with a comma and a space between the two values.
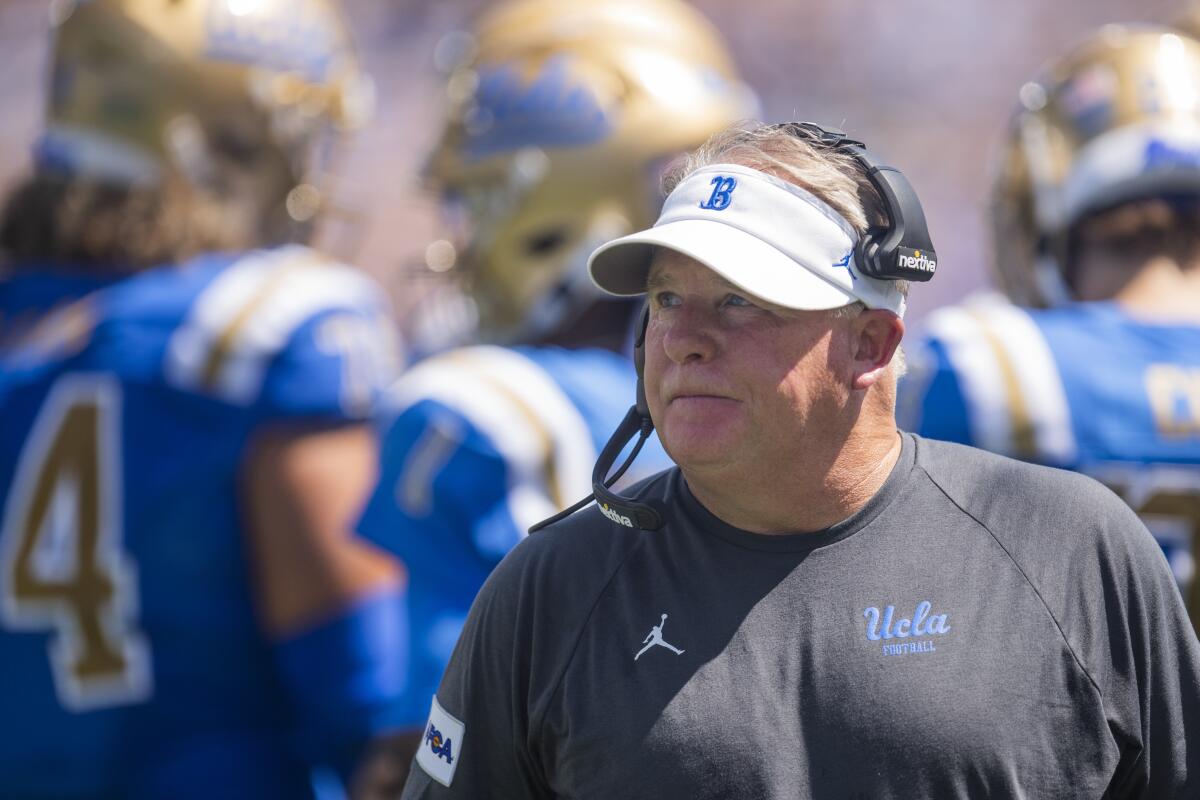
[654, 637]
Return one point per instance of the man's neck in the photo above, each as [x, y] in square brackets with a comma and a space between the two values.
[812, 492]
[1161, 291]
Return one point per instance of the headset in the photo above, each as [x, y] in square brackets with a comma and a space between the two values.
[899, 249]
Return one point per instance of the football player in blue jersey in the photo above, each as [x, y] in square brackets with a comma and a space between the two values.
[1095, 365]
[184, 394]
[561, 118]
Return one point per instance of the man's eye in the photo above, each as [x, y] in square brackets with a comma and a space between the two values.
[666, 299]
[736, 300]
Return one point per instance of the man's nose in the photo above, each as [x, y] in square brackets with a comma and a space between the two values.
[690, 333]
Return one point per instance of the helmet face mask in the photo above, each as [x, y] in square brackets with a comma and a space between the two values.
[1116, 121]
[525, 243]
[558, 122]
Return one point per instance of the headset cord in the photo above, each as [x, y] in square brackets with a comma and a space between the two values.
[643, 435]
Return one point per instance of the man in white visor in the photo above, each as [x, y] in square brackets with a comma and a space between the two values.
[812, 604]
[763, 330]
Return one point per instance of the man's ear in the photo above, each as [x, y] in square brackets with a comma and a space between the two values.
[874, 336]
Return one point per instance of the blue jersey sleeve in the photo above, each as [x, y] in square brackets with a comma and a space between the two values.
[285, 333]
[335, 366]
[442, 506]
[930, 399]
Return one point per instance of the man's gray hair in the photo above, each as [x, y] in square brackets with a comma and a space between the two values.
[833, 176]
[797, 157]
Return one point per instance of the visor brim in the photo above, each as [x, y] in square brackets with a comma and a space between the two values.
[622, 266]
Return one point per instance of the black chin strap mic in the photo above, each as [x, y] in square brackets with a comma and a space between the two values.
[637, 423]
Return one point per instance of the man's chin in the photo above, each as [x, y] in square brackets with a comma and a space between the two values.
[699, 450]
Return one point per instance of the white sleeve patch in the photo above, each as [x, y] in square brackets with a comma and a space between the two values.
[441, 746]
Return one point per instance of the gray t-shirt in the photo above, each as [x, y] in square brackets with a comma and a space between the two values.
[981, 628]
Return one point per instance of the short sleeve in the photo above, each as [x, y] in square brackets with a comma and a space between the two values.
[337, 365]
[286, 333]
[1148, 666]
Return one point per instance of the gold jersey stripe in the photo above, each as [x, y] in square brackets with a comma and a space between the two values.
[545, 439]
[224, 344]
[1023, 438]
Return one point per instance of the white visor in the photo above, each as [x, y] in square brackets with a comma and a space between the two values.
[775, 241]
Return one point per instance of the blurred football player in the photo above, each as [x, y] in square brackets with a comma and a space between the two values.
[1096, 213]
[185, 611]
[562, 117]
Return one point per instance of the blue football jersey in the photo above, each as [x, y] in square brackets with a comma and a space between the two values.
[486, 441]
[133, 665]
[1084, 387]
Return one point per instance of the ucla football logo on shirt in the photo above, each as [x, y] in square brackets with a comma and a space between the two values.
[923, 625]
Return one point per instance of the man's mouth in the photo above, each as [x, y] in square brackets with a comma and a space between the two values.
[697, 396]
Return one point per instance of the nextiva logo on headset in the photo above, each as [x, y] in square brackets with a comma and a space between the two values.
[620, 519]
[915, 259]
[780, 243]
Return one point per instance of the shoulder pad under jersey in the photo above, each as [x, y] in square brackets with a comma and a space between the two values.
[521, 410]
[1010, 382]
[246, 316]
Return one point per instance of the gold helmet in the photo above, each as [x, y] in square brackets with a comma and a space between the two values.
[225, 95]
[1116, 120]
[562, 115]
[1188, 20]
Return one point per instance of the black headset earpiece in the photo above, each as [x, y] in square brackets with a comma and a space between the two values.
[901, 248]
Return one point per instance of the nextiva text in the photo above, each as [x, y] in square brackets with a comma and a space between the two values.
[917, 261]
[615, 517]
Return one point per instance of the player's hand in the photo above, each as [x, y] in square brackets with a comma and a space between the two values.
[384, 767]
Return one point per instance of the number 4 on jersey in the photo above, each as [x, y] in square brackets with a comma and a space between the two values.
[61, 563]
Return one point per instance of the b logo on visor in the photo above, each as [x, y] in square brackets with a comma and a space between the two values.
[722, 194]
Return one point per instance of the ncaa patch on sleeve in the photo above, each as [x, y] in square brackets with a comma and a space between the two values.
[441, 745]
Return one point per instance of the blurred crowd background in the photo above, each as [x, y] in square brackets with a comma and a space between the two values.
[927, 83]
